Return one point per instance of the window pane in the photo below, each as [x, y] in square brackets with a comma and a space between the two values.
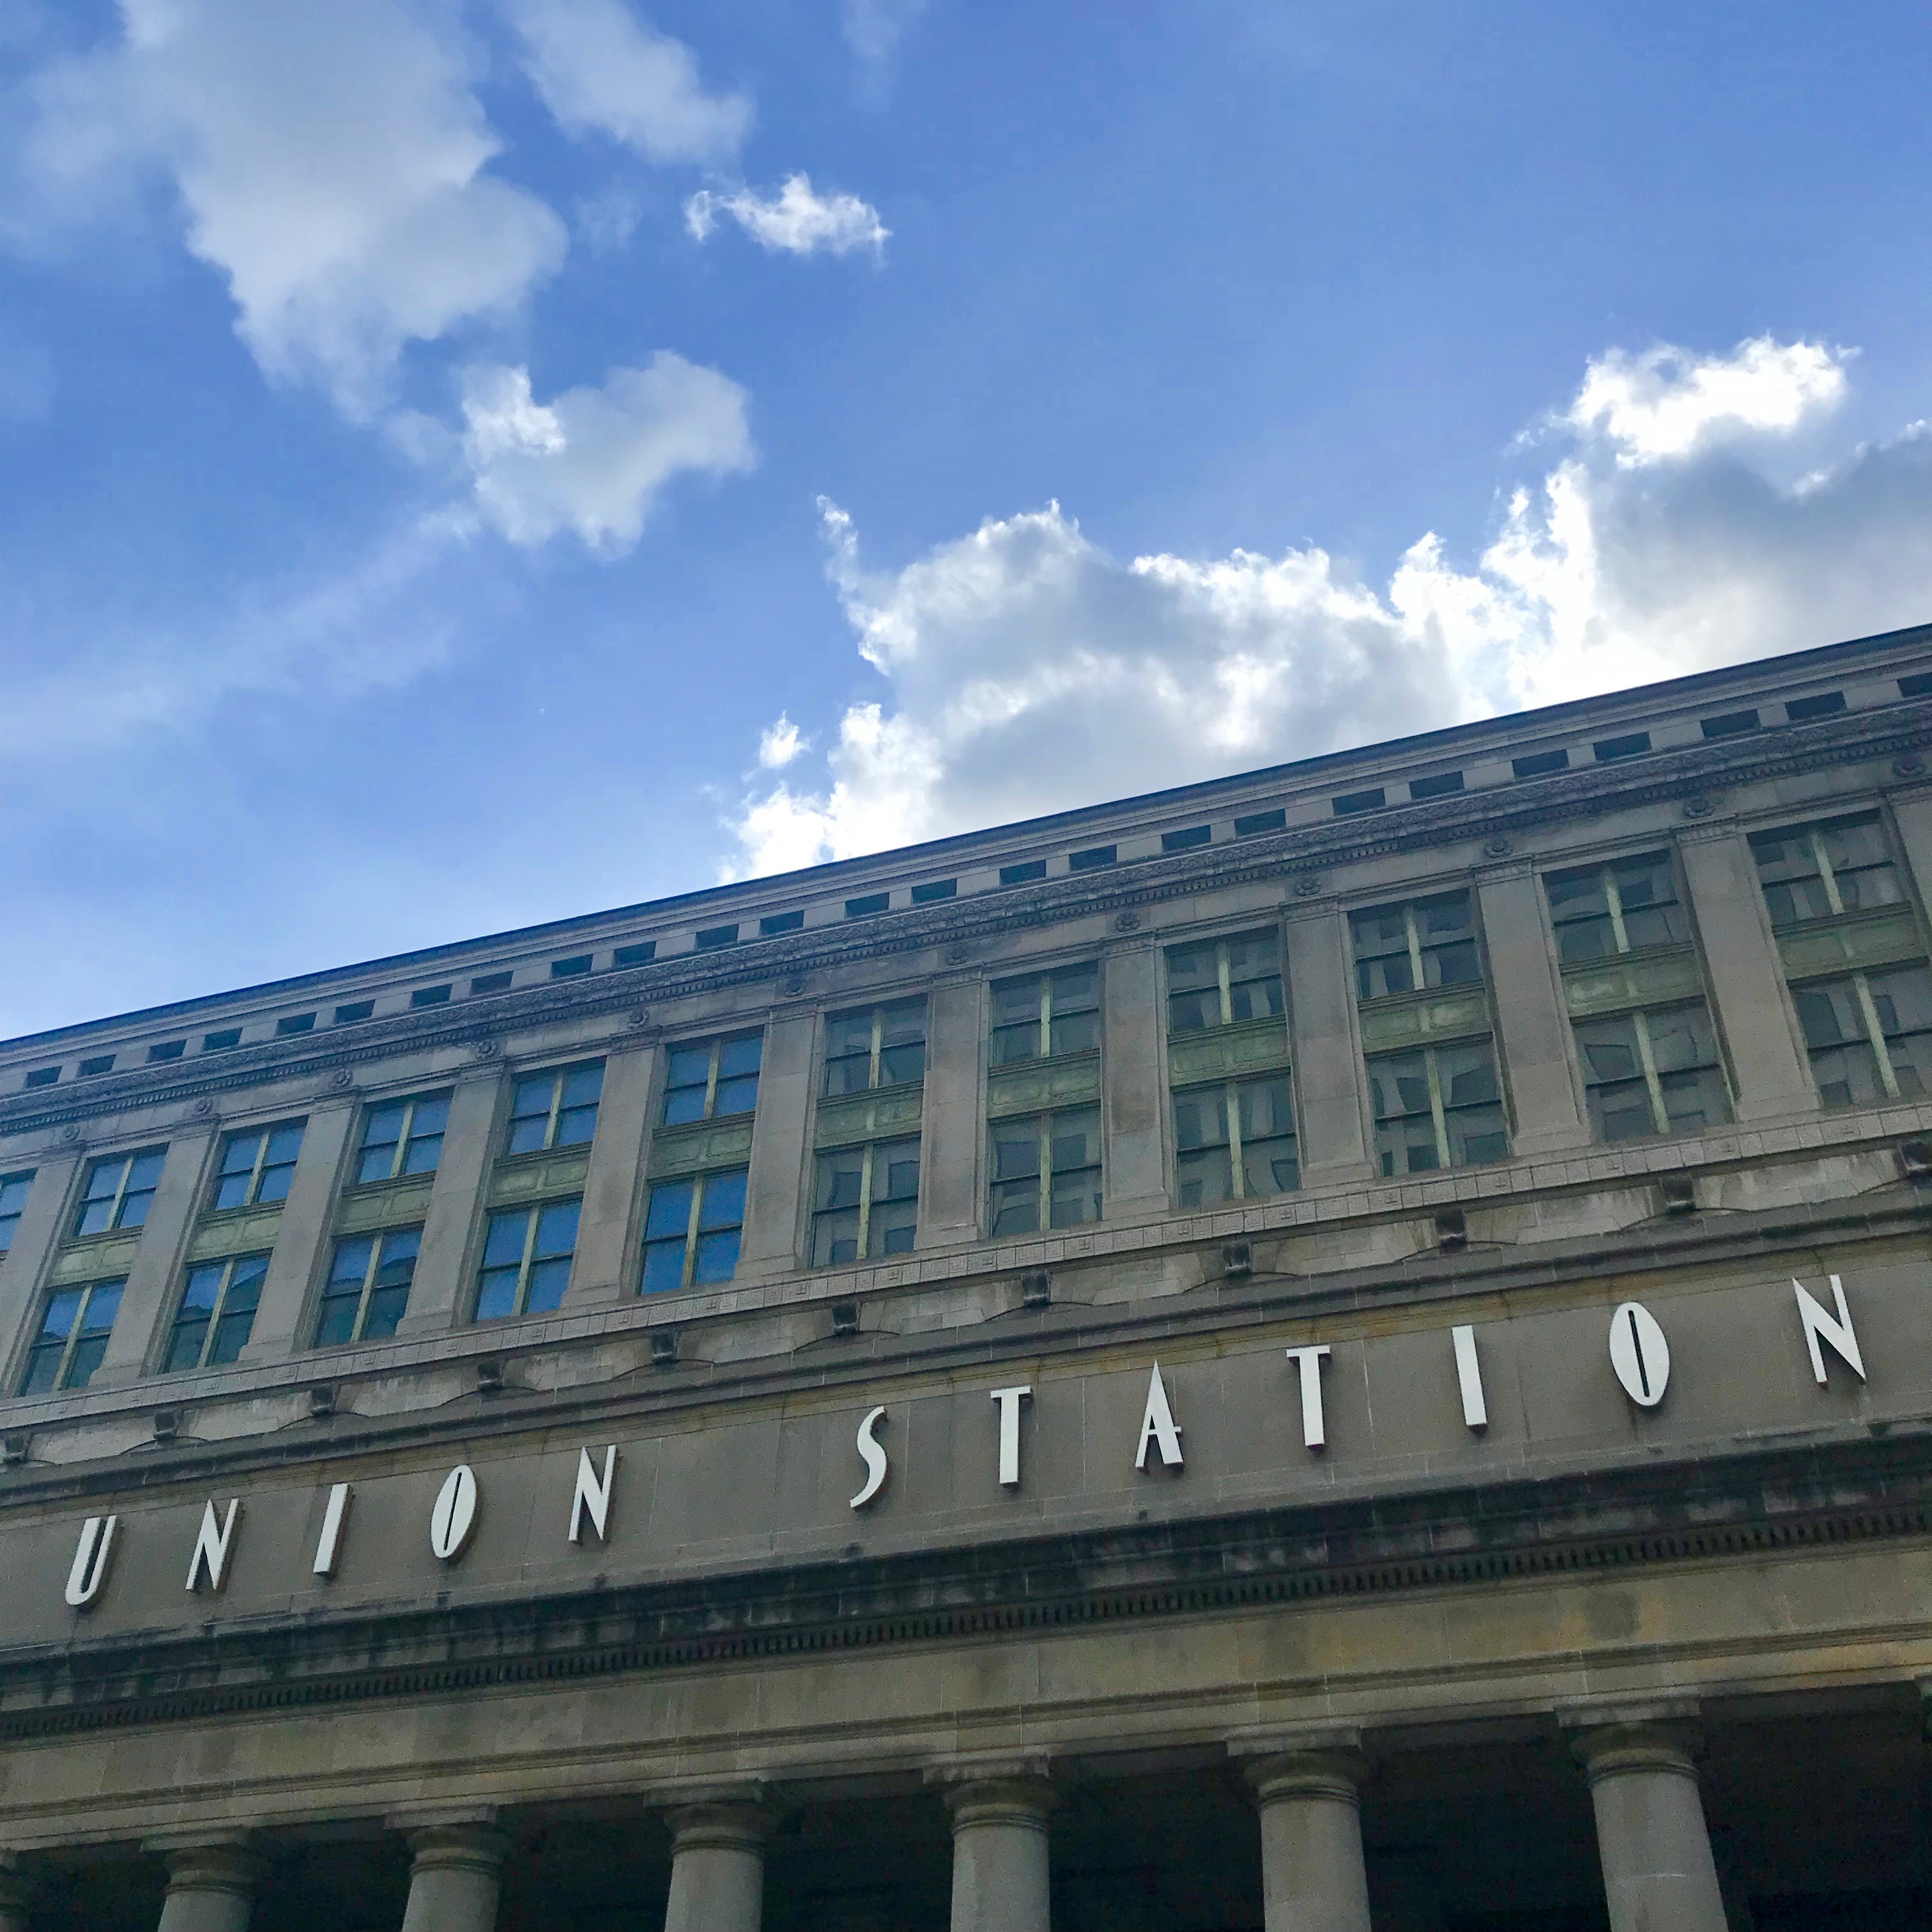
[848, 1033]
[503, 1246]
[737, 1097]
[903, 1024]
[102, 1305]
[1903, 1000]
[1200, 1119]
[840, 1179]
[1467, 1076]
[737, 1056]
[284, 1144]
[425, 1152]
[1407, 1146]
[103, 1179]
[1013, 1044]
[556, 1229]
[1015, 1149]
[1477, 1135]
[145, 1174]
[1190, 1012]
[575, 1125]
[1016, 1003]
[1267, 1108]
[203, 1288]
[1693, 1101]
[1076, 1199]
[1620, 1112]
[1270, 1167]
[432, 1116]
[835, 1238]
[1585, 939]
[683, 1104]
[1191, 968]
[1076, 1033]
[238, 1157]
[895, 1172]
[94, 1217]
[526, 1135]
[233, 1190]
[583, 1086]
[274, 1183]
[1076, 1140]
[85, 1359]
[399, 1256]
[1399, 1084]
[548, 1280]
[377, 1161]
[1847, 1076]
[1681, 1038]
[387, 1307]
[664, 1265]
[496, 1294]
[670, 1212]
[231, 1336]
[1015, 1207]
[905, 1061]
[1576, 894]
[717, 1256]
[337, 1323]
[185, 1345]
[723, 1205]
[385, 1123]
[1829, 1014]
[1204, 1177]
[1609, 1050]
[350, 1267]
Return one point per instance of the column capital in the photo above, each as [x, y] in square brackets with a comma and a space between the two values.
[1660, 1734]
[995, 1791]
[207, 1860]
[1314, 1761]
[453, 1838]
[737, 1820]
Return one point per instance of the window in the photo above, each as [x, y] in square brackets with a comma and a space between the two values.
[489, 982]
[101, 1063]
[713, 1077]
[1045, 1171]
[1824, 871]
[692, 1231]
[1018, 875]
[1651, 1073]
[1180, 841]
[41, 1076]
[1423, 944]
[711, 936]
[296, 1023]
[1730, 725]
[166, 1050]
[933, 890]
[1918, 684]
[220, 1042]
[882, 1046]
[865, 1202]
[1046, 1013]
[257, 1166]
[217, 1314]
[1222, 982]
[1436, 1107]
[1371, 800]
[555, 1109]
[356, 1010]
[73, 1338]
[526, 1256]
[1540, 764]
[639, 955]
[572, 968]
[402, 1137]
[1624, 907]
[1631, 745]
[1260, 821]
[1442, 784]
[1092, 858]
[120, 1189]
[430, 996]
[781, 922]
[1235, 1141]
[1824, 704]
[13, 1189]
[1870, 1035]
[367, 1291]
[866, 906]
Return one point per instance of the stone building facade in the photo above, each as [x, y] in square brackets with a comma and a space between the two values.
[1344, 1347]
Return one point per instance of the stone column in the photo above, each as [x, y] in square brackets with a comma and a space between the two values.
[612, 1188]
[780, 1158]
[1000, 1868]
[717, 1867]
[1324, 1047]
[1132, 1175]
[301, 1232]
[455, 1872]
[1313, 1878]
[1658, 1873]
[16, 1894]
[950, 1134]
[153, 1280]
[1745, 978]
[211, 1883]
[1532, 1027]
[439, 1294]
[49, 1203]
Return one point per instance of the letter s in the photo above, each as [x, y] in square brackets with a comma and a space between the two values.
[874, 1457]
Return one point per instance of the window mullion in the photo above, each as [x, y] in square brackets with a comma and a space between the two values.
[1231, 1098]
[1223, 975]
[1414, 935]
[1435, 1109]
[691, 1231]
[1045, 1171]
[255, 1173]
[1875, 1033]
[1046, 1016]
[711, 1079]
[369, 1275]
[1659, 1119]
[121, 1191]
[556, 1107]
[865, 1203]
[875, 1072]
[1833, 898]
[529, 1248]
[1614, 900]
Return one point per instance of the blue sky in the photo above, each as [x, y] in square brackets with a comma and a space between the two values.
[463, 464]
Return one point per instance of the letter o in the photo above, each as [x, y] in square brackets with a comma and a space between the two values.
[1640, 1353]
[455, 1515]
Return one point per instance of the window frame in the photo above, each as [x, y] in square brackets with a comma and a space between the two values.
[398, 1168]
[875, 1064]
[1827, 875]
[715, 1044]
[533, 1211]
[1875, 1036]
[258, 1169]
[121, 1195]
[1224, 980]
[557, 1076]
[700, 1183]
[1605, 873]
[1416, 946]
[377, 1238]
[1647, 1073]
[1229, 1089]
[228, 1265]
[1043, 1175]
[1042, 981]
[868, 1151]
[87, 1290]
[1440, 1108]
[10, 1217]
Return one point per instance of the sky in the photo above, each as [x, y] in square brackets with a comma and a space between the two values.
[467, 463]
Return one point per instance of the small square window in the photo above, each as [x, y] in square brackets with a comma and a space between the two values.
[639, 955]
[1092, 859]
[356, 1010]
[1438, 785]
[1372, 800]
[1918, 684]
[781, 922]
[1732, 724]
[42, 1076]
[1180, 841]
[1018, 875]
[867, 904]
[572, 968]
[1826, 704]
[101, 1063]
[1631, 745]
[935, 889]
[295, 1023]
[220, 1042]
[1254, 822]
[489, 982]
[1540, 764]
[430, 996]
[712, 936]
[167, 1049]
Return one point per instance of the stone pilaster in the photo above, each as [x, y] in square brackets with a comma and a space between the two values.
[153, 1280]
[718, 1866]
[49, 1202]
[439, 1294]
[951, 1155]
[614, 1184]
[301, 1232]
[1133, 1175]
[1000, 1864]
[211, 1883]
[1532, 1028]
[1912, 812]
[1309, 1795]
[780, 1160]
[455, 1871]
[1324, 1047]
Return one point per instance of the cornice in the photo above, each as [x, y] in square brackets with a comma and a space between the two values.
[958, 928]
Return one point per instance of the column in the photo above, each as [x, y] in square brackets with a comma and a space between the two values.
[1658, 1873]
[717, 1867]
[1912, 810]
[15, 1895]
[455, 1872]
[950, 1134]
[1746, 979]
[21, 1268]
[1532, 1027]
[211, 1883]
[300, 1232]
[1132, 1175]
[154, 1276]
[439, 1291]
[611, 1187]
[1001, 1881]
[1327, 1059]
[779, 1156]
[1313, 1878]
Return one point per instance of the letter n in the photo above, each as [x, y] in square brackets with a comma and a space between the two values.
[1820, 1327]
[211, 1546]
[592, 1497]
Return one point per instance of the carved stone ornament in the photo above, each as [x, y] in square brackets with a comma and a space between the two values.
[70, 1136]
[203, 1109]
[1498, 847]
[793, 984]
[638, 1016]
[1910, 765]
[958, 953]
[1698, 806]
[1308, 885]
[1127, 922]
[487, 1049]
[341, 1077]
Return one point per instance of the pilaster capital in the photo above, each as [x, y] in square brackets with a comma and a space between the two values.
[1324, 1761]
[1660, 1736]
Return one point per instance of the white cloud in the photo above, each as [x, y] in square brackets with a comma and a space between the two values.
[599, 68]
[779, 743]
[872, 29]
[1028, 671]
[797, 220]
[593, 461]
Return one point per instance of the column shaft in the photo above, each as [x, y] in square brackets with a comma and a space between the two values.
[950, 1159]
[1132, 1175]
[779, 1156]
[439, 1296]
[454, 1878]
[1326, 1058]
[1532, 1028]
[1658, 1873]
[1000, 1864]
[1313, 1878]
[615, 1180]
[299, 1233]
[153, 1278]
[717, 1868]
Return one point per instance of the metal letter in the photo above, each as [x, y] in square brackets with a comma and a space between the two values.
[455, 1515]
[1009, 1400]
[874, 1457]
[1818, 1324]
[330, 1540]
[591, 1495]
[1309, 1360]
[211, 1546]
[90, 1561]
[1157, 1426]
[1640, 1354]
[1469, 1378]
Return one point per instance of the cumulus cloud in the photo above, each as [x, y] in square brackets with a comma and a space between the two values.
[779, 744]
[601, 69]
[1027, 670]
[592, 461]
[797, 220]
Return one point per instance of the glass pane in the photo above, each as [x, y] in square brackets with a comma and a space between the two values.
[849, 1033]
[1847, 1076]
[1829, 1014]
[399, 1252]
[432, 1115]
[1191, 1013]
[717, 1256]
[385, 1123]
[425, 1152]
[1855, 841]
[897, 1178]
[337, 1323]
[894, 1224]
[575, 1125]
[1013, 1044]
[670, 1212]
[145, 1173]
[1407, 1147]
[1477, 1135]
[43, 1365]
[1903, 1000]
[1076, 1199]
[1622, 1112]
[1680, 1039]
[1016, 1149]
[1467, 1075]
[1076, 1142]
[1587, 939]
[238, 1157]
[1076, 1033]
[503, 1246]
[1204, 1177]
[556, 1229]
[1016, 1002]
[231, 1336]
[233, 1190]
[1267, 1108]
[1399, 1084]
[850, 1075]
[1654, 925]
[94, 1217]
[905, 1061]
[1609, 1049]
[1694, 1101]
[1911, 1064]
[102, 1305]
[274, 1183]
[387, 1307]
[496, 1294]
[1576, 896]
[1390, 973]
[688, 1067]
[1200, 1119]
[244, 1282]
[103, 1180]
[1016, 1206]
[1877, 886]
[377, 1163]
[533, 1096]
[835, 1238]
[351, 1265]
[737, 1056]
[203, 1288]
[664, 1266]
[840, 1179]
[1453, 965]
[903, 1023]
[1270, 1167]
[738, 1097]
[1075, 988]
[583, 1086]
[85, 1359]
[1191, 968]
[548, 1280]
[527, 1136]
[723, 1205]
[284, 1144]
[1256, 999]
[683, 1104]
[185, 1345]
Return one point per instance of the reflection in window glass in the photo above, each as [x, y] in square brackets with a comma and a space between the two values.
[555, 1109]
[1651, 1073]
[368, 1291]
[526, 1256]
[879, 1046]
[1235, 1141]
[1046, 1014]
[1437, 1107]
[709, 1079]
[119, 1192]
[1419, 946]
[1626, 907]
[74, 1329]
[1045, 1171]
[1218, 982]
[257, 1166]
[217, 1313]
[865, 1202]
[692, 1231]
[1827, 870]
[402, 1137]
[13, 1189]
[1869, 1035]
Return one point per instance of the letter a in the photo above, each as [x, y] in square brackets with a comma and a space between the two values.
[1157, 1426]
[211, 1546]
[592, 1498]
[1819, 1325]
